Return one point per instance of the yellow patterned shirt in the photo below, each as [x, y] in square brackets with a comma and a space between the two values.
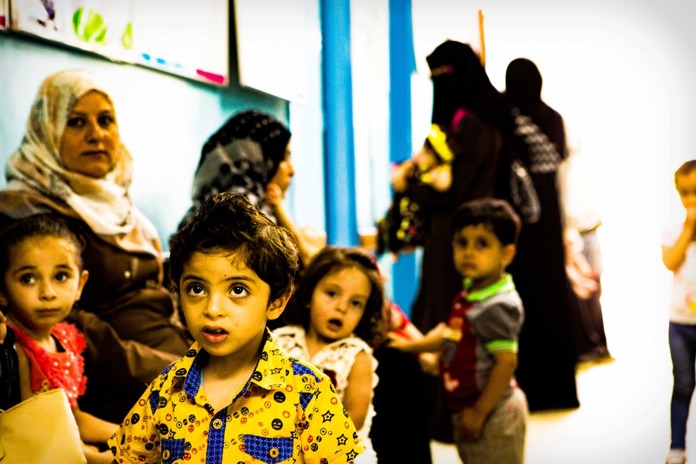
[288, 412]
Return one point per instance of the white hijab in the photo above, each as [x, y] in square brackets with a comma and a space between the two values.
[36, 166]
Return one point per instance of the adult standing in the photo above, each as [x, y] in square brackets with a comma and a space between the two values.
[547, 353]
[71, 162]
[471, 112]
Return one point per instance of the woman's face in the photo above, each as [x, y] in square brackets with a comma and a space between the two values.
[90, 140]
[285, 172]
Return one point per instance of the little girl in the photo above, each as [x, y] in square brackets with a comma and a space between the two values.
[335, 318]
[41, 279]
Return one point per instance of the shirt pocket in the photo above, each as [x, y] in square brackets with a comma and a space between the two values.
[267, 449]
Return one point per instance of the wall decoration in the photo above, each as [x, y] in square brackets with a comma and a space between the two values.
[189, 39]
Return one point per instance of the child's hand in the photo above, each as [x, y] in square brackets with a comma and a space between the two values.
[3, 327]
[472, 422]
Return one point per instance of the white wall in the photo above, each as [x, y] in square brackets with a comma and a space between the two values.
[621, 73]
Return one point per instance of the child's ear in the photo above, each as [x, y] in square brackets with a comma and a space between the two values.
[277, 306]
[509, 254]
[3, 300]
[84, 276]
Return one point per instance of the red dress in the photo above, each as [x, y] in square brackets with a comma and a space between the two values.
[64, 369]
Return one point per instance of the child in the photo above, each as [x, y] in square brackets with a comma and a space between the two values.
[401, 229]
[236, 396]
[478, 344]
[679, 256]
[42, 278]
[335, 319]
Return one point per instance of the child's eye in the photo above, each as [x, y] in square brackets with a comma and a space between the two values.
[195, 289]
[62, 276]
[75, 121]
[357, 304]
[482, 244]
[331, 293]
[239, 291]
[27, 279]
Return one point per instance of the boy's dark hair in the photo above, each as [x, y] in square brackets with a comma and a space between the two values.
[684, 169]
[493, 212]
[37, 225]
[229, 223]
[372, 326]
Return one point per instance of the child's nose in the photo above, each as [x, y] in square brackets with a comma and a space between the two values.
[46, 291]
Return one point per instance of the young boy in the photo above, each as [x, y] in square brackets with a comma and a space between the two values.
[478, 344]
[679, 257]
[235, 396]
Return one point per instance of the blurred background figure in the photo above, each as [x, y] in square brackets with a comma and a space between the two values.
[547, 356]
[250, 155]
[583, 256]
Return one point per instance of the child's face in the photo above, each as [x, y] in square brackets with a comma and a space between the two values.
[226, 304]
[338, 303]
[686, 186]
[42, 282]
[426, 158]
[480, 256]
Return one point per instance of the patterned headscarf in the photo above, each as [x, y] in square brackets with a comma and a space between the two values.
[241, 157]
[37, 168]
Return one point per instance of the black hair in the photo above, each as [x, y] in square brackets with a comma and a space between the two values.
[493, 212]
[372, 325]
[37, 225]
[229, 222]
[684, 169]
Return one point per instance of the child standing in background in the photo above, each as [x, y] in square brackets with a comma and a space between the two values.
[335, 319]
[236, 396]
[478, 344]
[42, 278]
[679, 256]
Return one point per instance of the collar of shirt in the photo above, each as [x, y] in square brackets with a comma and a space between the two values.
[504, 285]
[269, 373]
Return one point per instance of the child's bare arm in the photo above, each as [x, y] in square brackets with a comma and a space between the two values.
[427, 343]
[92, 429]
[498, 383]
[673, 256]
[358, 393]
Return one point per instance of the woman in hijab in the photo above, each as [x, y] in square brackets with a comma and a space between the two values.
[71, 163]
[547, 355]
[250, 155]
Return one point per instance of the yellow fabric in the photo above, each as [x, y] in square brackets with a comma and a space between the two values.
[438, 139]
[287, 412]
[40, 429]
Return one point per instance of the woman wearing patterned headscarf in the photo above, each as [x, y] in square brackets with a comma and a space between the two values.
[547, 357]
[71, 163]
[250, 154]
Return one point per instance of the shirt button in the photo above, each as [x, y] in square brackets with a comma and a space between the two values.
[273, 453]
[165, 455]
[217, 423]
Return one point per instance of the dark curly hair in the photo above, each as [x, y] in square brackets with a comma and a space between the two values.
[229, 222]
